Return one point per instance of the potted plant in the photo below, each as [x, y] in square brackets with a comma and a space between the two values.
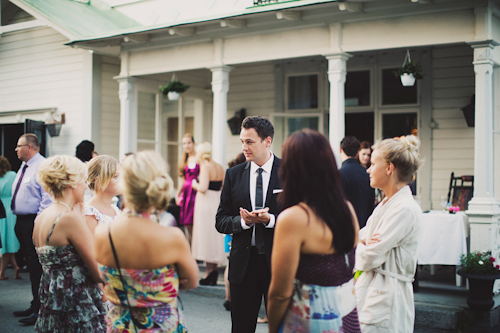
[173, 89]
[481, 270]
[410, 71]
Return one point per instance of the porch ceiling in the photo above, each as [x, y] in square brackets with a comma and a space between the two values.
[261, 21]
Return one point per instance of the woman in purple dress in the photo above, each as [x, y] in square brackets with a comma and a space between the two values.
[189, 170]
[315, 236]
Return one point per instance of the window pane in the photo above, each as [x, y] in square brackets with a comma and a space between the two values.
[357, 88]
[146, 116]
[296, 124]
[393, 92]
[360, 125]
[169, 151]
[172, 129]
[145, 146]
[303, 92]
[399, 124]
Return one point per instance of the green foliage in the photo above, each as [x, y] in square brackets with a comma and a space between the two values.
[411, 67]
[479, 262]
[176, 86]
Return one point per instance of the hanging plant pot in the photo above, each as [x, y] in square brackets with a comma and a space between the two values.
[407, 80]
[173, 95]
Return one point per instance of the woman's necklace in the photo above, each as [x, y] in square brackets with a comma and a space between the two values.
[62, 203]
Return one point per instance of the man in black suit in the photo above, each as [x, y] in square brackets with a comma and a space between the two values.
[248, 209]
[355, 180]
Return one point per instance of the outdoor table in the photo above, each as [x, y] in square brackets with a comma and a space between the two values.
[443, 239]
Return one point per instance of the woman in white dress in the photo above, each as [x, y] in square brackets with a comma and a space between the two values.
[387, 249]
[103, 181]
[208, 244]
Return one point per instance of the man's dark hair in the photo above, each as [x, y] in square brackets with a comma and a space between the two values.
[261, 125]
[84, 150]
[350, 146]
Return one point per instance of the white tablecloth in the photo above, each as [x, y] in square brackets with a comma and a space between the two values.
[443, 238]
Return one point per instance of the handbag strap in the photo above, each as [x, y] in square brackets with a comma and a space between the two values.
[120, 274]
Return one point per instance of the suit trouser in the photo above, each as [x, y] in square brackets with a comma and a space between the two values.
[24, 233]
[246, 297]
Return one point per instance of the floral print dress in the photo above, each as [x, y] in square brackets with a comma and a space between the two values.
[70, 300]
[153, 300]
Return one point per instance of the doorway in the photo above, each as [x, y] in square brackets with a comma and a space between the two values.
[10, 133]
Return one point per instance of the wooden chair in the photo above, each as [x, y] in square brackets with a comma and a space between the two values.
[460, 191]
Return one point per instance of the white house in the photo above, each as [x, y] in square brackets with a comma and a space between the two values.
[324, 64]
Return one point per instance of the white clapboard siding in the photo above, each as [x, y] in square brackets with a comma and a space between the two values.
[38, 71]
[453, 142]
[110, 107]
[252, 86]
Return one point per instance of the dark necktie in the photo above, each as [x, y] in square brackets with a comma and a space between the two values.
[13, 203]
[259, 204]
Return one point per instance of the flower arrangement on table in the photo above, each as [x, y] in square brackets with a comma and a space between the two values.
[453, 209]
[479, 263]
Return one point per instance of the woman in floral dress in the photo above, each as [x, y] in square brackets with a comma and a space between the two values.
[70, 299]
[144, 264]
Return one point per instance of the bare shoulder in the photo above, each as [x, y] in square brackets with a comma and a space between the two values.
[101, 231]
[295, 217]
[71, 218]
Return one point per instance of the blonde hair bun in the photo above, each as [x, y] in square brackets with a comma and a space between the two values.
[411, 142]
[145, 181]
[403, 153]
[204, 151]
[59, 172]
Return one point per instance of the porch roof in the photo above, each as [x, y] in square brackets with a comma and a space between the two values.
[79, 20]
[137, 28]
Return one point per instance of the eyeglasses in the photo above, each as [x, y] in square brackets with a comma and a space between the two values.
[19, 146]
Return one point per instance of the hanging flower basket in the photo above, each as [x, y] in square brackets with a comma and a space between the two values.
[407, 80]
[173, 95]
[409, 71]
[173, 89]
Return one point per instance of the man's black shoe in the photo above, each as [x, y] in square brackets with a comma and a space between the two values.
[31, 320]
[24, 313]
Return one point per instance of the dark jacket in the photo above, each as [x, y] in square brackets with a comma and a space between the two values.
[356, 184]
[235, 194]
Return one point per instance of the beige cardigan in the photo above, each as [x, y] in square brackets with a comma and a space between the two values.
[384, 292]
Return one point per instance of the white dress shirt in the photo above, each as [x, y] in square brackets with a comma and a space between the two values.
[266, 177]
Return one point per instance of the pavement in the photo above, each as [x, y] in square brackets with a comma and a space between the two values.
[202, 307]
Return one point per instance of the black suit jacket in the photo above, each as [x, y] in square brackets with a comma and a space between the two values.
[235, 194]
[356, 184]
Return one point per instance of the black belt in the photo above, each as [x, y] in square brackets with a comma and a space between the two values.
[256, 250]
[27, 217]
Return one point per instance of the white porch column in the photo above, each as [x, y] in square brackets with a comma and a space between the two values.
[128, 115]
[336, 76]
[484, 210]
[220, 87]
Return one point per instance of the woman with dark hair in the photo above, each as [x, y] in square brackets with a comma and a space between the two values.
[364, 153]
[189, 170]
[10, 244]
[314, 240]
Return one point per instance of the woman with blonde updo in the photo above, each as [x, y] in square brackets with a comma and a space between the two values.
[208, 244]
[387, 249]
[103, 181]
[144, 264]
[70, 299]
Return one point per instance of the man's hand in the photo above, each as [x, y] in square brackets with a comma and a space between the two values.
[255, 216]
